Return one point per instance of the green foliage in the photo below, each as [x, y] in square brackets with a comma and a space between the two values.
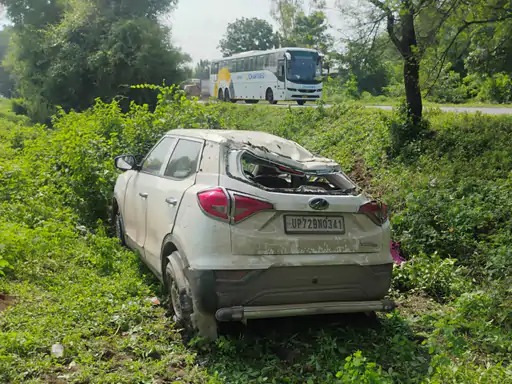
[357, 369]
[301, 29]
[76, 286]
[202, 70]
[310, 31]
[285, 13]
[449, 88]
[496, 88]
[247, 35]
[439, 278]
[406, 136]
[464, 48]
[6, 80]
[84, 50]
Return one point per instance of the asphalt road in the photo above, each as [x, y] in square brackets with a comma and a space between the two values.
[484, 110]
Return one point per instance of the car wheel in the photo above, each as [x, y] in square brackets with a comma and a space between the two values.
[119, 226]
[184, 309]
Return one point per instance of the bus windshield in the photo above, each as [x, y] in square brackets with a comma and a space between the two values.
[304, 67]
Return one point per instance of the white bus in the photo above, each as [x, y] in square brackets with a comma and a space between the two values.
[284, 74]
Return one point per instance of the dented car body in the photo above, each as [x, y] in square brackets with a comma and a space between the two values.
[241, 225]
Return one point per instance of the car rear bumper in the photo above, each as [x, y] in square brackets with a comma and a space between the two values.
[292, 289]
[263, 312]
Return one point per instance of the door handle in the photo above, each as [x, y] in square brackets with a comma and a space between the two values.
[171, 201]
[143, 195]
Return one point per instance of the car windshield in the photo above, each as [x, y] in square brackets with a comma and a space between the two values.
[303, 67]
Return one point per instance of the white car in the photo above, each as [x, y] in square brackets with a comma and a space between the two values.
[243, 225]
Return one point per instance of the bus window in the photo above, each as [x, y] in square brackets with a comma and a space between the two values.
[252, 66]
[215, 68]
[273, 60]
[246, 65]
[260, 61]
[267, 61]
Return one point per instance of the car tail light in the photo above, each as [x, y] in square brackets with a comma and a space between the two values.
[245, 206]
[377, 212]
[215, 202]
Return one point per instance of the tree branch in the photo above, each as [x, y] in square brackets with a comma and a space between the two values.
[390, 24]
[461, 29]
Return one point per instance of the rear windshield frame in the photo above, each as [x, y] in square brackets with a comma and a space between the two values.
[341, 184]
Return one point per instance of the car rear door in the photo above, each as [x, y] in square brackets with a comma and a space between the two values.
[138, 188]
[166, 194]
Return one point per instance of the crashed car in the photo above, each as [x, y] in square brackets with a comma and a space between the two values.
[241, 225]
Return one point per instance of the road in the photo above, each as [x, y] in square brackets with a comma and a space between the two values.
[484, 110]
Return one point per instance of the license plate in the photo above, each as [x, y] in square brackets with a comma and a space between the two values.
[314, 224]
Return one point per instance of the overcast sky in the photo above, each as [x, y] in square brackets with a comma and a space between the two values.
[198, 25]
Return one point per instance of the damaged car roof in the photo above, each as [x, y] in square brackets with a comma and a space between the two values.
[262, 144]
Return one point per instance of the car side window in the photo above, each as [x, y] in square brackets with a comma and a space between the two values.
[184, 159]
[156, 158]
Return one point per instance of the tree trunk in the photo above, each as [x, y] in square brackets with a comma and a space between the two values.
[412, 88]
[409, 51]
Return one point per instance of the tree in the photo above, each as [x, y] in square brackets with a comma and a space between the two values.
[71, 52]
[202, 70]
[285, 13]
[298, 28]
[368, 63]
[418, 27]
[6, 80]
[311, 32]
[399, 16]
[247, 35]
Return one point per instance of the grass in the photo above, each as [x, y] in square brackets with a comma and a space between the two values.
[388, 101]
[73, 285]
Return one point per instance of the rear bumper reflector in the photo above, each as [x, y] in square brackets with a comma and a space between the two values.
[262, 312]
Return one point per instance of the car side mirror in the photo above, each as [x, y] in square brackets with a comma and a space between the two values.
[125, 162]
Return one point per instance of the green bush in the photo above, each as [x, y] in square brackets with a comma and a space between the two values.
[440, 278]
[449, 88]
[495, 89]
[450, 202]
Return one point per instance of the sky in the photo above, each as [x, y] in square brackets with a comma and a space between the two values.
[199, 25]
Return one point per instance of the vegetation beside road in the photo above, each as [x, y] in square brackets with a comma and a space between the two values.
[450, 196]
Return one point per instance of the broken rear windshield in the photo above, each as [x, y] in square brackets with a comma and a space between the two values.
[283, 178]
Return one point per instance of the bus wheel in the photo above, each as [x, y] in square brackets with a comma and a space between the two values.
[270, 97]
[301, 102]
[251, 101]
[220, 96]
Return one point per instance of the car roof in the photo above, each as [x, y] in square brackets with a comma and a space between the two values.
[262, 144]
[230, 135]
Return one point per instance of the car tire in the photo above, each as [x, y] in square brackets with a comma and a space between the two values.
[270, 97]
[183, 307]
[119, 228]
